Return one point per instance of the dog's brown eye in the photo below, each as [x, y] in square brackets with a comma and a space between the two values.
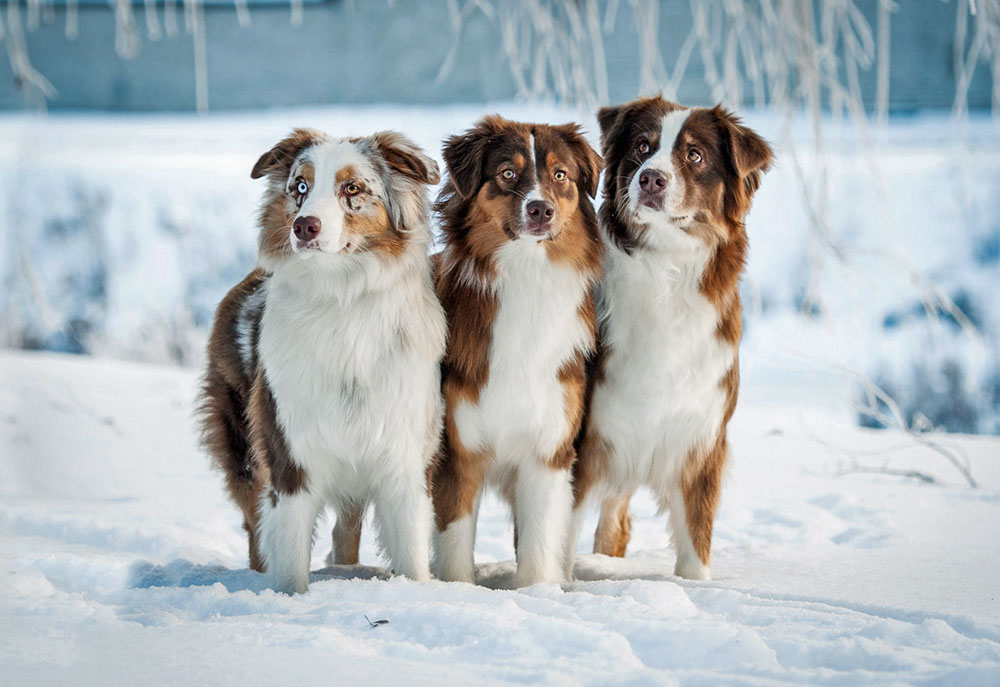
[560, 176]
[352, 190]
[643, 147]
[508, 175]
[694, 155]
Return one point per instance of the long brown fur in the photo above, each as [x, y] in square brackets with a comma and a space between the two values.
[724, 193]
[476, 219]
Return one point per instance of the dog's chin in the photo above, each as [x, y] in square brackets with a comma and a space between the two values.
[644, 216]
[307, 250]
[537, 235]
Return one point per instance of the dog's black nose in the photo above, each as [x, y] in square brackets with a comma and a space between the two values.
[540, 211]
[306, 228]
[652, 181]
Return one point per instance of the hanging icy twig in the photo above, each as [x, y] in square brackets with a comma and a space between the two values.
[200, 57]
[152, 23]
[170, 17]
[33, 86]
[126, 34]
[242, 13]
[72, 19]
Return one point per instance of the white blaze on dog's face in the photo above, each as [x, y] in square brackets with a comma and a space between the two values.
[530, 181]
[328, 197]
[335, 187]
[676, 174]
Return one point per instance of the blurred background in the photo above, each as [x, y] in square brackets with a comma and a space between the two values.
[128, 129]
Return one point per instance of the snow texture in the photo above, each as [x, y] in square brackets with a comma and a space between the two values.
[120, 233]
[122, 562]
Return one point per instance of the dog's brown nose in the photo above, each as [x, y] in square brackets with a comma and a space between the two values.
[539, 211]
[306, 228]
[652, 181]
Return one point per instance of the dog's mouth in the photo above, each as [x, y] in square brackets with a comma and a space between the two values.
[653, 201]
[542, 232]
[311, 246]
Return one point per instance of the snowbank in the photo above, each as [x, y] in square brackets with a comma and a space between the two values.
[122, 562]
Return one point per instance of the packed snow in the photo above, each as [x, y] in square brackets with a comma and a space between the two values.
[123, 562]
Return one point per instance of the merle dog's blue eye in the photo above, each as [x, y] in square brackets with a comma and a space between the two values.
[302, 187]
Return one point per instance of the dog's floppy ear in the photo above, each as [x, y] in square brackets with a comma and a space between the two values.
[750, 156]
[587, 159]
[750, 153]
[464, 155]
[611, 120]
[406, 157]
[277, 162]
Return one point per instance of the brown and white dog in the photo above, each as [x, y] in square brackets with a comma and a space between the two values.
[323, 380]
[678, 185]
[522, 255]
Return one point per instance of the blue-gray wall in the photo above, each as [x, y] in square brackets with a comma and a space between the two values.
[373, 52]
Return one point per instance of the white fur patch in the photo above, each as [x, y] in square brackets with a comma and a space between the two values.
[660, 398]
[663, 161]
[521, 413]
[350, 347]
[521, 416]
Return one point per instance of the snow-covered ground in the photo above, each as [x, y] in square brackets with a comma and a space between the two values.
[122, 562]
[120, 233]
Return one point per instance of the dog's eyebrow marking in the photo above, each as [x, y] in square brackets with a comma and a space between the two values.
[346, 173]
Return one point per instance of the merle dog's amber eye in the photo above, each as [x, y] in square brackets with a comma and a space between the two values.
[352, 190]
[508, 175]
[694, 155]
[643, 147]
[560, 176]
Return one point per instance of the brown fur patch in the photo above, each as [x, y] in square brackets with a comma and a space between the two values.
[222, 410]
[374, 232]
[277, 162]
[267, 437]
[345, 174]
[347, 534]
[459, 473]
[614, 529]
[406, 158]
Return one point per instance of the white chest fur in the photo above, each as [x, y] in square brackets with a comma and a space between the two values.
[521, 411]
[660, 397]
[355, 378]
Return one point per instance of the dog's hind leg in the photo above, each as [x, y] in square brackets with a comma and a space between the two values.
[347, 535]
[614, 529]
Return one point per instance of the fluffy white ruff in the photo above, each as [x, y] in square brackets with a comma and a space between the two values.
[521, 415]
[350, 346]
[660, 399]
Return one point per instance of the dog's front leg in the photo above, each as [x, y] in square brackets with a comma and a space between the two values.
[285, 536]
[543, 501]
[404, 514]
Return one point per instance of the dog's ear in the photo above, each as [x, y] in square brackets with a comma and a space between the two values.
[277, 162]
[588, 161]
[464, 155]
[749, 152]
[611, 120]
[749, 155]
[406, 157]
